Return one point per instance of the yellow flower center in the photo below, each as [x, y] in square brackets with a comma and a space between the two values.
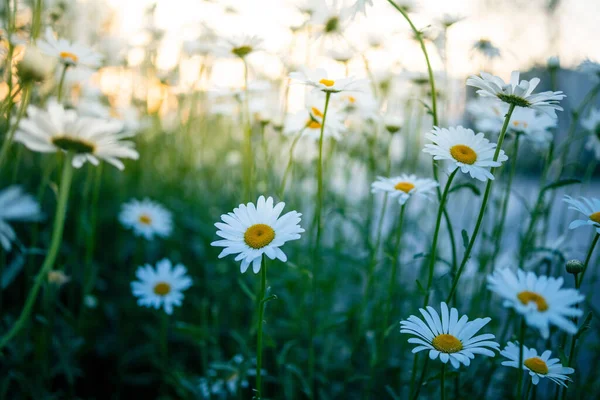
[404, 186]
[145, 219]
[74, 144]
[517, 123]
[527, 297]
[316, 112]
[259, 235]
[352, 99]
[162, 288]
[595, 217]
[65, 55]
[327, 82]
[446, 343]
[537, 365]
[463, 154]
[312, 124]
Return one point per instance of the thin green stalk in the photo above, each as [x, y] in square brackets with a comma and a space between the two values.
[528, 390]
[587, 259]
[393, 273]
[438, 223]
[164, 340]
[421, 379]
[288, 168]
[443, 383]
[57, 233]
[248, 136]
[521, 343]
[486, 196]
[61, 83]
[36, 22]
[259, 335]
[11, 133]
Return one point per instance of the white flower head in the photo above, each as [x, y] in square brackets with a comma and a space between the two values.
[486, 48]
[404, 187]
[591, 68]
[470, 152]
[15, 205]
[517, 93]
[89, 139]
[240, 46]
[69, 54]
[309, 121]
[449, 338]
[592, 125]
[161, 287]
[320, 81]
[541, 300]
[359, 6]
[590, 207]
[538, 366]
[251, 231]
[146, 218]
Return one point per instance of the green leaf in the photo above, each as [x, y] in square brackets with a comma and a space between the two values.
[467, 185]
[421, 288]
[560, 183]
[465, 238]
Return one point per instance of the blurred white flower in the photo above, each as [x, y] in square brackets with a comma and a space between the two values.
[161, 287]
[34, 65]
[15, 205]
[393, 123]
[592, 125]
[240, 46]
[309, 120]
[553, 62]
[146, 218]
[539, 366]
[532, 125]
[341, 54]
[70, 54]
[360, 6]
[320, 81]
[486, 48]
[591, 68]
[330, 21]
[404, 187]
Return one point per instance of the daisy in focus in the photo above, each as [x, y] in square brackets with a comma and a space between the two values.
[449, 338]
[592, 125]
[253, 230]
[404, 187]
[539, 366]
[69, 54]
[15, 205]
[590, 207]
[89, 139]
[517, 93]
[320, 81]
[146, 218]
[541, 300]
[161, 287]
[240, 46]
[470, 152]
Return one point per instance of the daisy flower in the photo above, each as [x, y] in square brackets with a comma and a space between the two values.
[592, 125]
[590, 207]
[240, 46]
[449, 337]
[472, 153]
[517, 93]
[532, 125]
[321, 82]
[591, 68]
[146, 218]
[404, 186]
[69, 54]
[486, 48]
[89, 139]
[310, 120]
[539, 366]
[541, 300]
[393, 123]
[162, 286]
[251, 231]
[329, 21]
[15, 205]
[360, 6]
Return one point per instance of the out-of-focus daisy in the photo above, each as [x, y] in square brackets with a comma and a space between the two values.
[447, 20]
[251, 231]
[449, 337]
[329, 21]
[532, 125]
[553, 63]
[486, 48]
[359, 6]
[539, 366]
[591, 68]
[393, 123]
[518, 93]
[592, 125]
[308, 7]
[320, 81]
[146, 218]
[470, 152]
[161, 287]
[198, 47]
[240, 46]
[89, 139]
[590, 207]
[541, 300]
[483, 109]
[341, 54]
[15, 205]
[309, 120]
[58, 278]
[363, 104]
[69, 54]
[404, 186]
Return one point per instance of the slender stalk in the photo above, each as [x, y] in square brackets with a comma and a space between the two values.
[61, 83]
[528, 390]
[587, 259]
[57, 233]
[443, 383]
[421, 378]
[248, 136]
[164, 340]
[521, 343]
[438, 222]
[36, 22]
[488, 189]
[11, 133]
[259, 335]
[288, 168]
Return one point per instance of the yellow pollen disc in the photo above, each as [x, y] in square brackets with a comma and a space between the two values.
[595, 217]
[527, 297]
[404, 186]
[537, 365]
[327, 82]
[71, 56]
[259, 235]
[316, 112]
[312, 124]
[352, 99]
[162, 288]
[446, 343]
[463, 154]
[145, 219]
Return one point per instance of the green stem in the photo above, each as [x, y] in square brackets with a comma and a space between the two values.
[259, 335]
[288, 168]
[521, 343]
[57, 233]
[528, 390]
[164, 340]
[393, 273]
[421, 378]
[11, 133]
[587, 259]
[61, 83]
[488, 189]
[443, 383]
[438, 223]
[248, 130]
[36, 22]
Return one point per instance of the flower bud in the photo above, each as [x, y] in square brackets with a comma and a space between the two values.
[34, 66]
[58, 278]
[574, 267]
